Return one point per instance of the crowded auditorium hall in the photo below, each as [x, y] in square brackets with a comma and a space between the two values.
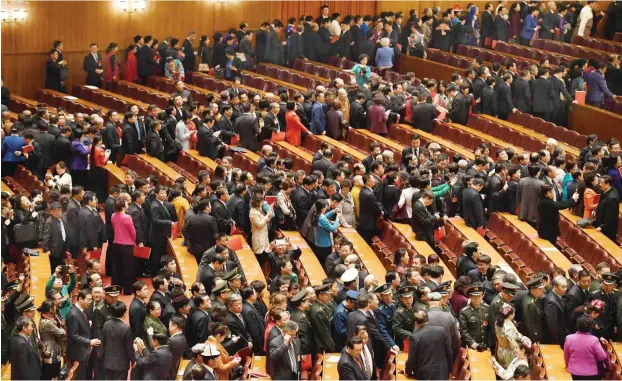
[311, 190]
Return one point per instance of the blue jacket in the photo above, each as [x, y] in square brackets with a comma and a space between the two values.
[340, 320]
[10, 144]
[529, 27]
[318, 119]
[384, 315]
[597, 87]
[80, 155]
[324, 228]
[617, 179]
[384, 57]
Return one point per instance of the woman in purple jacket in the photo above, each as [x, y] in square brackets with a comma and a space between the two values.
[597, 88]
[377, 116]
[79, 159]
[583, 352]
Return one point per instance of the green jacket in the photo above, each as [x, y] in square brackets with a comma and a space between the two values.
[65, 291]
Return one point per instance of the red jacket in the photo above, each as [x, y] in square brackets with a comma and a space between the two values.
[294, 128]
[131, 68]
[112, 67]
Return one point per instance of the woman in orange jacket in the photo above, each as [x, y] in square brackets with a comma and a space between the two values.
[294, 126]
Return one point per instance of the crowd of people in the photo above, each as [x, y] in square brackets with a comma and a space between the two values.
[82, 323]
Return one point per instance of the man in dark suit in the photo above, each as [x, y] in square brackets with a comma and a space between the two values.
[472, 207]
[423, 221]
[295, 45]
[73, 227]
[199, 320]
[93, 67]
[521, 90]
[274, 47]
[459, 112]
[559, 89]
[555, 326]
[62, 146]
[207, 143]
[284, 352]
[200, 230]
[155, 364]
[141, 221]
[543, 95]
[550, 22]
[238, 208]
[606, 212]
[415, 148]
[188, 61]
[110, 136]
[177, 342]
[248, 128]
[429, 353]
[55, 236]
[358, 115]
[488, 26]
[138, 309]
[92, 231]
[424, 114]
[225, 124]
[133, 135]
[497, 190]
[144, 56]
[109, 210]
[350, 365]
[504, 97]
[254, 322]
[155, 146]
[163, 216]
[116, 344]
[236, 322]
[576, 297]
[271, 122]
[47, 142]
[25, 362]
[79, 338]
[323, 164]
[489, 98]
[220, 213]
[501, 25]
[370, 209]
[303, 199]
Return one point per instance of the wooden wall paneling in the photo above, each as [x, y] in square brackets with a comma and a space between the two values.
[285, 9]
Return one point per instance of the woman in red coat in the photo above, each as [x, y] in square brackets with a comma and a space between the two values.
[294, 126]
[130, 73]
[111, 69]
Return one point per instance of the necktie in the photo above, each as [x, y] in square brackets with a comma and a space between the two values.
[62, 229]
[137, 129]
[96, 58]
[85, 317]
[292, 357]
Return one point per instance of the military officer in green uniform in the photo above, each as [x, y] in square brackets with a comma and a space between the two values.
[301, 305]
[100, 314]
[422, 298]
[607, 294]
[319, 315]
[533, 318]
[234, 280]
[444, 289]
[508, 292]
[220, 294]
[475, 319]
[404, 318]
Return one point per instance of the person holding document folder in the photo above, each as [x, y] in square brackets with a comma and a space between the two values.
[123, 247]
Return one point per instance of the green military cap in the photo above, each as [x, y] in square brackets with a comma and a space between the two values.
[322, 288]
[112, 290]
[299, 297]
[536, 282]
[383, 289]
[610, 278]
[443, 288]
[232, 275]
[220, 286]
[475, 290]
[406, 291]
[510, 288]
[27, 304]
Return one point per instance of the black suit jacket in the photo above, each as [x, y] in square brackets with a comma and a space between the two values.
[144, 56]
[154, 145]
[607, 215]
[423, 116]
[78, 335]
[200, 232]
[487, 25]
[349, 369]
[255, 326]
[248, 129]
[47, 143]
[460, 109]
[358, 115]
[274, 49]
[141, 223]
[473, 210]
[109, 210]
[62, 150]
[555, 327]
[489, 101]
[422, 222]
[543, 95]
[504, 100]
[522, 95]
[429, 354]
[501, 28]
[155, 364]
[223, 219]
[197, 327]
[177, 345]
[90, 65]
[189, 56]
[92, 232]
[138, 312]
[227, 130]
[322, 165]
[497, 197]
[575, 297]
[53, 238]
[279, 358]
[116, 346]
[73, 226]
[295, 47]
[162, 218]
[239, 211]
[302, 202]
[25, 363]
[238, 327]
[370, 209]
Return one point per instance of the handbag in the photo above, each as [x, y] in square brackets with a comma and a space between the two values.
[203, 67]
[25, 232]
[278, 136]
[439, 234]
[399, 213]
[219, 73]
[63, 73]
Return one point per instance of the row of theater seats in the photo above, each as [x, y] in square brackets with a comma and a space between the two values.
[404, 136]
[386, 244]
[244, 163]
[188, 166]
[252, 80]
[127, 89]
[286, 76]
[299, 162]
[597, 43]
[509, 242]
[617, 37]
[210, 83]
[17, 106]
[145, 169]
[463, 61]
[168, 86]
[581, 248]
[71, 106]
[613, 105]
[23, 181]
[504, 133]
[570, 49]
[320, 70]
[533, 53]
[539, 125]
[614, 371]
[312, 144]
[462, 366]
[362, 142]
[346, 64]
[92, 95]
[522, 55]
